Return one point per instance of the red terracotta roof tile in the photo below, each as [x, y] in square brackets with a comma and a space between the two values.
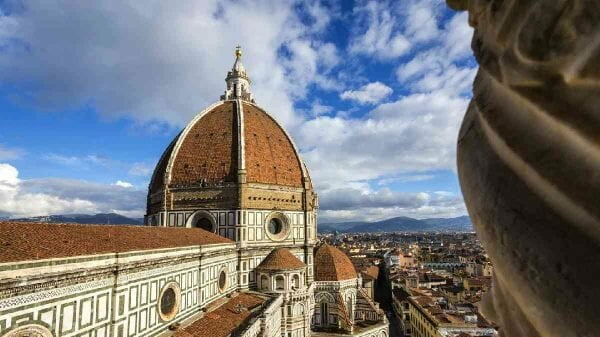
[209, 150]
[22, 241]
[331, 264]
[270, 155]
[223, 321]
[281, 259]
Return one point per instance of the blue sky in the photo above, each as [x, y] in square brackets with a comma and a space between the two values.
[372, 92]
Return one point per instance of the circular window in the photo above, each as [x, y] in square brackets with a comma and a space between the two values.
[205, 224]
[276, 226]
[222, 280]
[202, 219]
[30, 330]
[168, 302]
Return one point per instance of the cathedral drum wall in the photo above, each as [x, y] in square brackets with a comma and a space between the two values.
[139, 295]
[294, 229]
[248, 225]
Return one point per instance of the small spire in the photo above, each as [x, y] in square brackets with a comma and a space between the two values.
[238, 82]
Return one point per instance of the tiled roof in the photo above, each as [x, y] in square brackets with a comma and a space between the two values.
[281, 259]
[208, 153]
[223, 321]
[270, 155]
[331, 264]
[22, 241]
[209, 150]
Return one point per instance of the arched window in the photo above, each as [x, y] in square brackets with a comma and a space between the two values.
[279, 283]
[324, 313]
[349, 306]
[264, 282]
[299, 309]
[296, 281]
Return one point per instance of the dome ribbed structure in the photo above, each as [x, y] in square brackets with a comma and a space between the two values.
[331, 264]
[281, 259]
[208, 151]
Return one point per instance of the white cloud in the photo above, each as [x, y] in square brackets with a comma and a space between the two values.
[9, 177]
[123, 184]
[420, 19]
[85, 160]
[439, 67]
[157, 61]
[405, 178]
[377, 32]
[369, 93]
[140, 169]
[391, 29]
[36, 197]
[416, 205]
[416, 133]
[344, 198]
[8, 153]
[317, 108]
[328, 55]
[413, 136]
[15, 201]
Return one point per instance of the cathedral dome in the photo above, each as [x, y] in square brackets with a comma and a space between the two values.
[229, 138]
[231, 155]
[331, 264]
[281, 259]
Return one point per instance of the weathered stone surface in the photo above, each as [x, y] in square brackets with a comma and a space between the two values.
[529, 161]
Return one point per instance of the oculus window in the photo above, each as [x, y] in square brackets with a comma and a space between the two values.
[277, 226]
[169, 301]
[222, 280]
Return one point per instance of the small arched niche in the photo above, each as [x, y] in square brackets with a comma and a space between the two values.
[264, 282]
[279, 282]
[296, 283]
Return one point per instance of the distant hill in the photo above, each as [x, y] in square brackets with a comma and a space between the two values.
[401, 224]
[101, 219]
[342, 226]
[461, 222]
[397, 224]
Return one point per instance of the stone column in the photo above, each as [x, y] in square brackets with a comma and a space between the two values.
[529, 161]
